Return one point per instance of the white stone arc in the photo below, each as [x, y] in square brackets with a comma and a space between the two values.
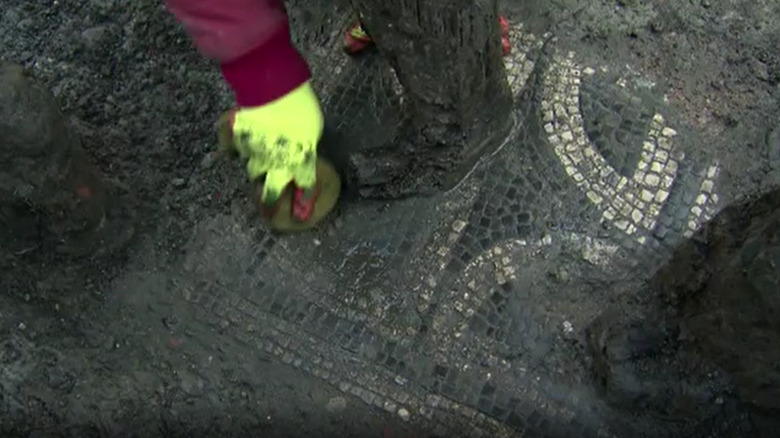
[631, 203]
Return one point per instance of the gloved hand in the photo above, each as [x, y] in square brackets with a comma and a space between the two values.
[278, 140]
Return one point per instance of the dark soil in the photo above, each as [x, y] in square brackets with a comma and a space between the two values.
[76, 359]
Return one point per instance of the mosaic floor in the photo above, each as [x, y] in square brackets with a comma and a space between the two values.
[465, 308]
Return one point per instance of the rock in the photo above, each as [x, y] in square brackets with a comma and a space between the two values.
[615, 342]
[24, 24]
[60, 378]
[725, 284]
[47, 182]
[370, 169]
[773, 148]
[10, 351]
[31, 122]
[11, 16]
[759, 69]
[638, 368]
[560, 275]
[35, 149]
[208, 160]
[190, 383]
[94, 36]
[336, 405]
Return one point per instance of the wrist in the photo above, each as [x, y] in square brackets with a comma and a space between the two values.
[266, 73]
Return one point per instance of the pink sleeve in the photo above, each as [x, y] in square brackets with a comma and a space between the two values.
[251, 41]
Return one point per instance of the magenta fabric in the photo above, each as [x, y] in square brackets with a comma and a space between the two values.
[251, 41]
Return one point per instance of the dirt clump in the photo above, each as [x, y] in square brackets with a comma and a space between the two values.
[711, 338]
[53, 198]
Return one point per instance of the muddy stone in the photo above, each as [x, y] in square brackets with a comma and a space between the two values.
[726, 286]
[639, 367]
[773, 148]
[34, 138]
[336, 405]
[51, 195]
[714, 329]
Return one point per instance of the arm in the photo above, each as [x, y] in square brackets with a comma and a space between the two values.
[251, 41]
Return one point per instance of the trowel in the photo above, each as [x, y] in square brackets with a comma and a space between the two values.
[279, 218]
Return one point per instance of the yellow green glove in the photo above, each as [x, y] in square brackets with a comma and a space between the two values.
[278, 140]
